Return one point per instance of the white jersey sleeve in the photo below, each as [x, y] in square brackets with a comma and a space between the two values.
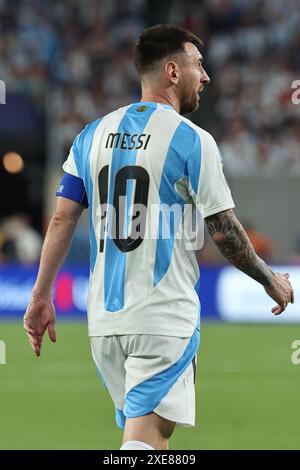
[69, 165]
[213, 193]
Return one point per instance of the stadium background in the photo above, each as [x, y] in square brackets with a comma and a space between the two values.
[65, 63]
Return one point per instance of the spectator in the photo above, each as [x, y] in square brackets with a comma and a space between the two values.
[22, 243]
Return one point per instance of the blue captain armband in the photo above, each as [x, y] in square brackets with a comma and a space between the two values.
[72, 187]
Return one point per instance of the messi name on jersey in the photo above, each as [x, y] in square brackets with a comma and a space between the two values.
[127, 141]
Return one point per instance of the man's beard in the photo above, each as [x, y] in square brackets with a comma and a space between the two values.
[189, 106]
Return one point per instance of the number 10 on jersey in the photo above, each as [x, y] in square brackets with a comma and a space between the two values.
[117, 212]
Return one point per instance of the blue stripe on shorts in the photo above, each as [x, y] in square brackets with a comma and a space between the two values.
[146, 396]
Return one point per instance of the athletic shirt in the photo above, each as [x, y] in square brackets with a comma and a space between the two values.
[135, 164]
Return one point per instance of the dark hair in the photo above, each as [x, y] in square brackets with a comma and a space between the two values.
[158, 42]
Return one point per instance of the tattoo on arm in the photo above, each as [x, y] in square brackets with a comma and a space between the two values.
[233, 242]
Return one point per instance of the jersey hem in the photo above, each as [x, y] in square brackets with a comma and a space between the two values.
[154, 332]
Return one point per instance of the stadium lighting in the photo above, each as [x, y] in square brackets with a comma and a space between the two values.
[13, 162]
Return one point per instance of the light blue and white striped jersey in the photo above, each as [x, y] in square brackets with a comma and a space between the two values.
[146, 154]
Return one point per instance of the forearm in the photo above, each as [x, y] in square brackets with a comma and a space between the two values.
[55, 248]
[233, 242]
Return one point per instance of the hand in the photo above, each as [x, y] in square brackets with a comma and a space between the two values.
[39, 316]
[281, 291]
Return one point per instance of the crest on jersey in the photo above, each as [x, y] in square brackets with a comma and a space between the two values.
[141, 109]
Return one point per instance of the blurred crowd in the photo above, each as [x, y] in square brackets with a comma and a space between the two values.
[76, 56]
[73, 56]
[254, 57]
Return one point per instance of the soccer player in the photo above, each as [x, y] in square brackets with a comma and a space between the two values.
[143, 308]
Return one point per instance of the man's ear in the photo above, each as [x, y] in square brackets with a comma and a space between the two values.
[172, 72]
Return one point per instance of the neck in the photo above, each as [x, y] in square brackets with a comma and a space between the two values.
[162, 97]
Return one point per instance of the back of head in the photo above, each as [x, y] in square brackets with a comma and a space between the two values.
[159, 42]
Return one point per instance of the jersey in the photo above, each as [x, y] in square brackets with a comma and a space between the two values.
[147, 154]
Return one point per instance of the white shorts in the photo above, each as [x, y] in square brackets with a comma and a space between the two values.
[145, 373]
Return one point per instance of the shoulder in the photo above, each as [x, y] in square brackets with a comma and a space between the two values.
[203, 142]
[84, 138]
[205, 137]
[184, 131]
[88, 129]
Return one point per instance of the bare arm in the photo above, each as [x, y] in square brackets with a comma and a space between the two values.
[56, 244]
[233, 242]
[40, 313]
